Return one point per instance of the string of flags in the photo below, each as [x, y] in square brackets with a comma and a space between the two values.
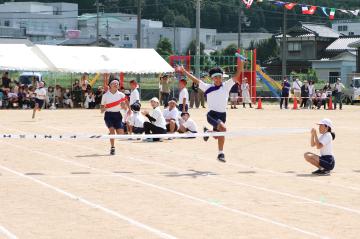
[307, 9]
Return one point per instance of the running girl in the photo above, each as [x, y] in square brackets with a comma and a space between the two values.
[110, 104]
[217, 98]
[325, 162]
[40, 95]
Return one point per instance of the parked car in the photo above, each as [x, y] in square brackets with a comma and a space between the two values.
[30, 78]
[352, 91]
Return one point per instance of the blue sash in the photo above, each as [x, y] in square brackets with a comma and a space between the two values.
[212, 88]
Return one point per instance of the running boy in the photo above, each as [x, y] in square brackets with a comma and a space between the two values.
[110, 104]
[217, 98]
[40, 95]
[325, 162]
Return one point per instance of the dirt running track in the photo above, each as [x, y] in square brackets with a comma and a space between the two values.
[177, 189]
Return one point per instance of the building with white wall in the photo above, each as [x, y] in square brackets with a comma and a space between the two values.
[347, 27]
[225, 39]
[39, 21]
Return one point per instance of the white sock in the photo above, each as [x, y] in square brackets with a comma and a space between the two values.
[221, 152]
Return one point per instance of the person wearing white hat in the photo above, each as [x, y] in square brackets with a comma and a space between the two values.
[171, 115]
[326, 161]
[40, 96]
[156, 123]
[110, 104]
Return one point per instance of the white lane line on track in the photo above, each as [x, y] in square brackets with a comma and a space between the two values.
[285, 194]
[183, 195]
[5, 232]
[131, 221]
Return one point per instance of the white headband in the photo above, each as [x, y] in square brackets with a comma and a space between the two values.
[216, 74]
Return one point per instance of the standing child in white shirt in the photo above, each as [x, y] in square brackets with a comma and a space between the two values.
[183, 96]
[326, 161]
[40, 96]
[134, 95]
[217, 98]
[110, 104]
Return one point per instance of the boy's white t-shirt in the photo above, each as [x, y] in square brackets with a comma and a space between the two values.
[137, 120]
[40, 93]
[190, 125]
[134, 96]
[184, 94]
[326, 140]
[217, 100]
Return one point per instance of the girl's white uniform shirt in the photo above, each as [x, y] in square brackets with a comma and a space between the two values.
[218, 99]
[245, 92]
[158, 116]
[134, 96]
[40, 93]
[184, 94]
[109, 97]
[326, 140]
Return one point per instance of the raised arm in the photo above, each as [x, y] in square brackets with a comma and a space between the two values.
[181, 69]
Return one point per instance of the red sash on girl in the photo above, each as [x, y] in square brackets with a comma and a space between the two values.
[113, 104]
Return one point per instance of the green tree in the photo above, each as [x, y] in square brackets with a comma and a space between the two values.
[191, 50]
[164, 47]
[230, 50]
[266, 49]
[182, 21]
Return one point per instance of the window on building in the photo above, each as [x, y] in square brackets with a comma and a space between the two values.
[294, 46]
[208, 39]
[126, 38]
[218, 43]
[333, 76]
[7, 23]
[351, 33]
[342, 28]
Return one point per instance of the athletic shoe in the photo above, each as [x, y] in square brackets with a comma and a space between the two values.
[148, 140]
[112, 151]
[221, 158]
[322, 172]
[206, 138]
[316, 172]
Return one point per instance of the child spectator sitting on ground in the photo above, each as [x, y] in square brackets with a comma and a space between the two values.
[136, 121]
[171, 115]
[67, 99]
[187, 124]
[89, 100]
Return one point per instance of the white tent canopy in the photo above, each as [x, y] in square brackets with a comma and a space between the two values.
[21, 57]
[81, 59]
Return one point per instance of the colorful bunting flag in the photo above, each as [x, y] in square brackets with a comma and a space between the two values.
[355, 12]
[332, 13]
[248, 3]
[290, 6]
[307, 11]
[279, 3]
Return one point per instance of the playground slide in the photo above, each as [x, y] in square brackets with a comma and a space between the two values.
[273, 85]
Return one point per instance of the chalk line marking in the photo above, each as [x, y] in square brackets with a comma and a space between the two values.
[193, 198]
[133, 222]
[7, 233]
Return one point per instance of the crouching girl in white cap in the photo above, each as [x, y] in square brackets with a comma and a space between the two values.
[326, 161]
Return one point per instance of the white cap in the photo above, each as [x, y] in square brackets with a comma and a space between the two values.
[326, 122]
[155, 100]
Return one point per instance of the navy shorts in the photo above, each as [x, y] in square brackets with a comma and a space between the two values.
[181, 107]
[327, 162]
[113, 120]
[40, 103]
[137, 130]
[215, 118]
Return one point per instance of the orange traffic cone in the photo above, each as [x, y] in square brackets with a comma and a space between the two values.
[295, 107]
[330, 105]
[259, 107]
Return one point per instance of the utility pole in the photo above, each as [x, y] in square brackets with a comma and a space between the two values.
[107, 29]
[97, 21]
[284, 46]
[174, 42]
[240, 22]
[197, 57]
[138, 23]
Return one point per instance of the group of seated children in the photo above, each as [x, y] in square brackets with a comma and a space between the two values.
[156, 122]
